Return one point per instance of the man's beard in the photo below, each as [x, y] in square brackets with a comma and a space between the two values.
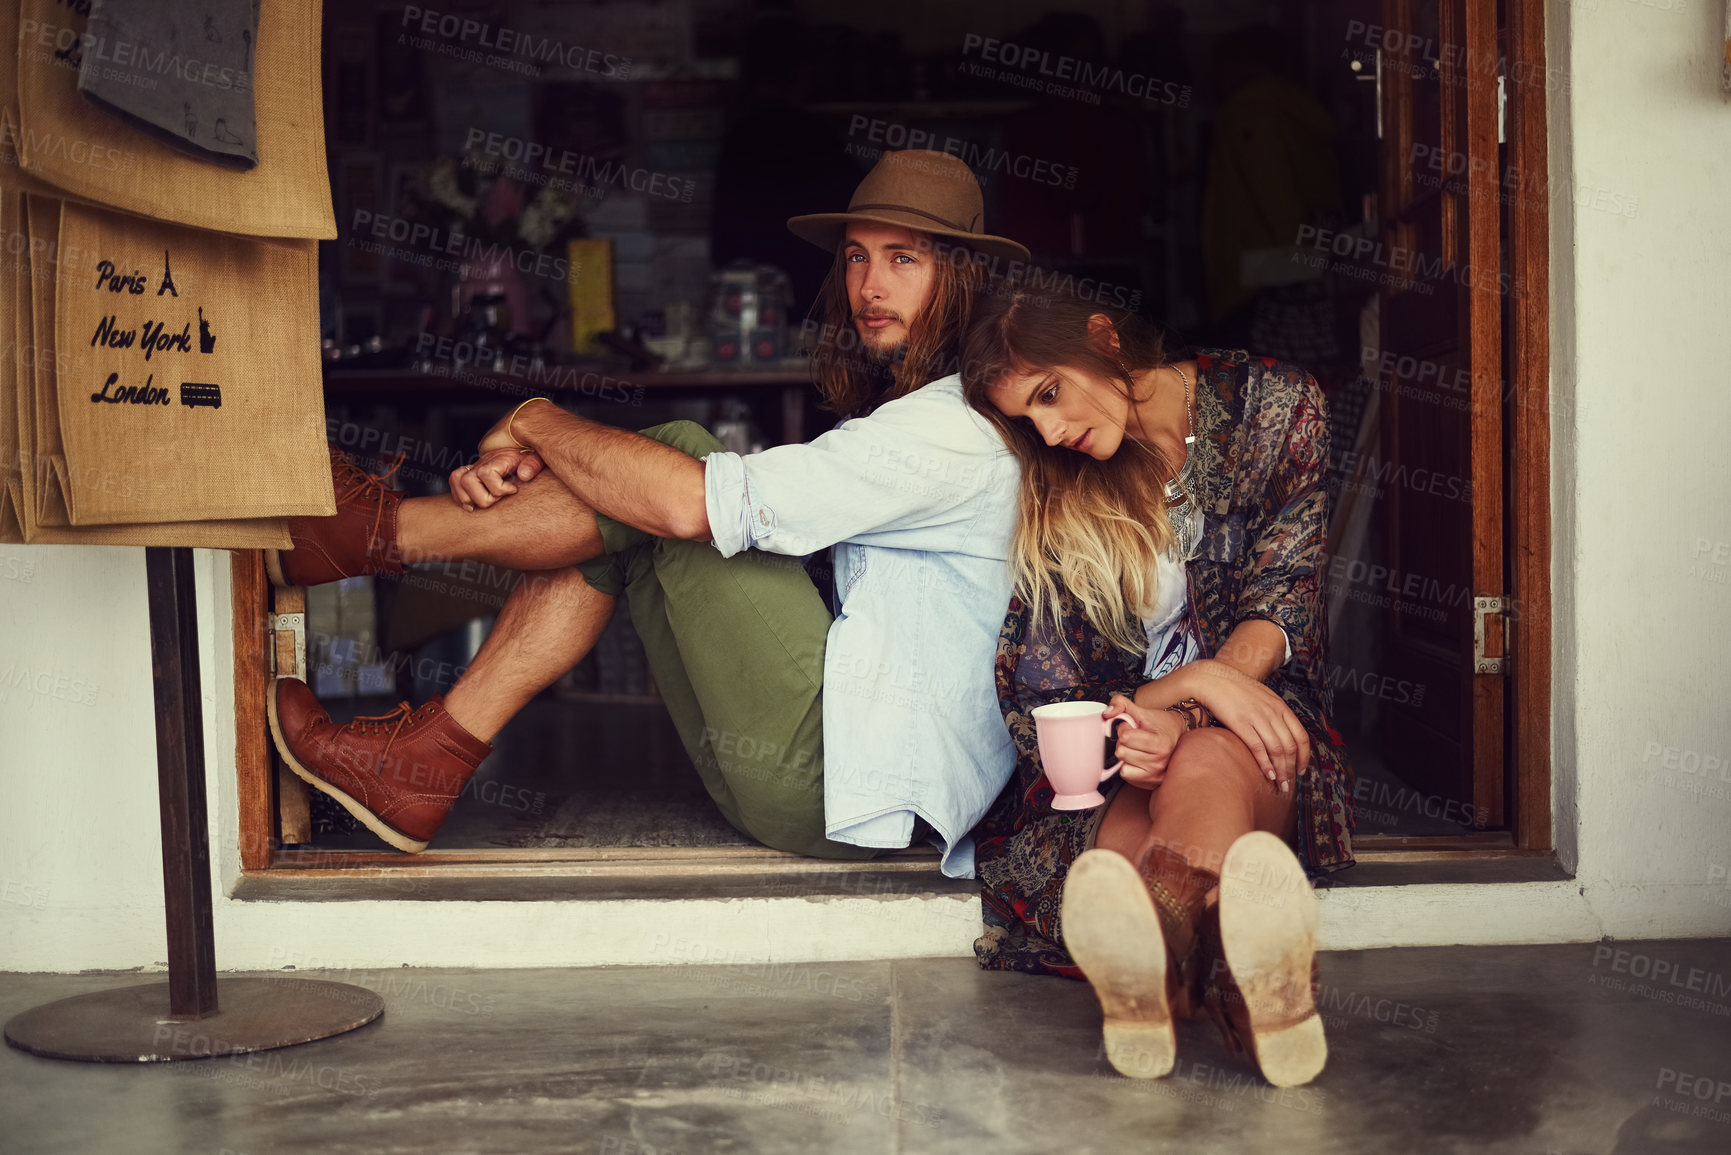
[885, 356]
[880, 356]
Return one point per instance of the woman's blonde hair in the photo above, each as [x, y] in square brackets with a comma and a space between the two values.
[1093, 528]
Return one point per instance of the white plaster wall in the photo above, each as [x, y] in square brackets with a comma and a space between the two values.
[1649, 352]
[1641, 309]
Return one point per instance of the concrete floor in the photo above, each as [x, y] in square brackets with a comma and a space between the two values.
[1619, 1047]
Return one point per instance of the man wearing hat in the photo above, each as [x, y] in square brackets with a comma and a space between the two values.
[884, 714]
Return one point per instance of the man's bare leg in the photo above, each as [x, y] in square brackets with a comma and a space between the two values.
[401, 773]
[543, 526]
[551, 620]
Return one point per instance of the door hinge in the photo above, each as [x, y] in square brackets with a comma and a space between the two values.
[1481, 664]
[288, 645]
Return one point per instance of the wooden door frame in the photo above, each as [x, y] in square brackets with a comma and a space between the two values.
[1527, 338]
[253, 763]
[1476, 135]
[1527, 535]
[1525, 482]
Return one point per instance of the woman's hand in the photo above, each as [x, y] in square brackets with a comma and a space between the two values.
[1145, 751]
[494, 476]
[1259, 716]
[500, 436]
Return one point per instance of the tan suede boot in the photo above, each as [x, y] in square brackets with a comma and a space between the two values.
[1180, 893]
[1258, 950]
[1119, 924]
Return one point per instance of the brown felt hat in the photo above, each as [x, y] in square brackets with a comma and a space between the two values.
[932, 192]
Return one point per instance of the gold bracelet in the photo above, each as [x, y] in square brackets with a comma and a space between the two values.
[509, 431]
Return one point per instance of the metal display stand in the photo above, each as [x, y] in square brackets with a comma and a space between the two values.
[181, 1019]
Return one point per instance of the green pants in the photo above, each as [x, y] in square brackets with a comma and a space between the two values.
[736, 646]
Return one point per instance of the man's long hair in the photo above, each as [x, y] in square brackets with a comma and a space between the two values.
[851, 379]
[1093, 528]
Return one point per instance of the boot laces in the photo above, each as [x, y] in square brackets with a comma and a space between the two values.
[371, 487]
[397, 720]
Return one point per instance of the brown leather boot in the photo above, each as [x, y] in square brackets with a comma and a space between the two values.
[1114, 924]
[1180, 893]
[399, 772]
[361, 538]
[1259, 948]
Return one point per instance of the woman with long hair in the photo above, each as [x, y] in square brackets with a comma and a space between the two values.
[1166, 562]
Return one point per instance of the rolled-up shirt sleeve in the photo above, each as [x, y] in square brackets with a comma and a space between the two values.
[727, 502]
[905, 476]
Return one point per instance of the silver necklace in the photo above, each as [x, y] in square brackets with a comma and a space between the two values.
[1180, 508]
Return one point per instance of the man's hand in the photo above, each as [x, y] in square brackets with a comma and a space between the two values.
[626, 476]
[494, 476]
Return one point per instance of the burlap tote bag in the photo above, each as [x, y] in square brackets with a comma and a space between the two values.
[175, 374]
[8, 72]
[36, 475]
[11, 175]
[85, 153]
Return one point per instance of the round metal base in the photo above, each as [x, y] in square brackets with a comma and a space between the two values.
[133, 1024]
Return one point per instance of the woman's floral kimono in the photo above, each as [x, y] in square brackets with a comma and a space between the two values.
[1261, 456]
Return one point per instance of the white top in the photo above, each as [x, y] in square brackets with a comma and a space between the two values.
[1171, 643]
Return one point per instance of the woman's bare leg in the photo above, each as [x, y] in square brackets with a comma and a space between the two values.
[543, 526]
[1213, 793]
[1125, 827]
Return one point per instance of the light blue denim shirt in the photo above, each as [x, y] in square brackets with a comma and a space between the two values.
[919, 501]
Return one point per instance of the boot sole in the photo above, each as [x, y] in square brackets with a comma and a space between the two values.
[1268, 924]
[372, 821]
[1112, 931]
[273, 568]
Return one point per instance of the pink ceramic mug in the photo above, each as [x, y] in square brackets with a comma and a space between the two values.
[1069, 734]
